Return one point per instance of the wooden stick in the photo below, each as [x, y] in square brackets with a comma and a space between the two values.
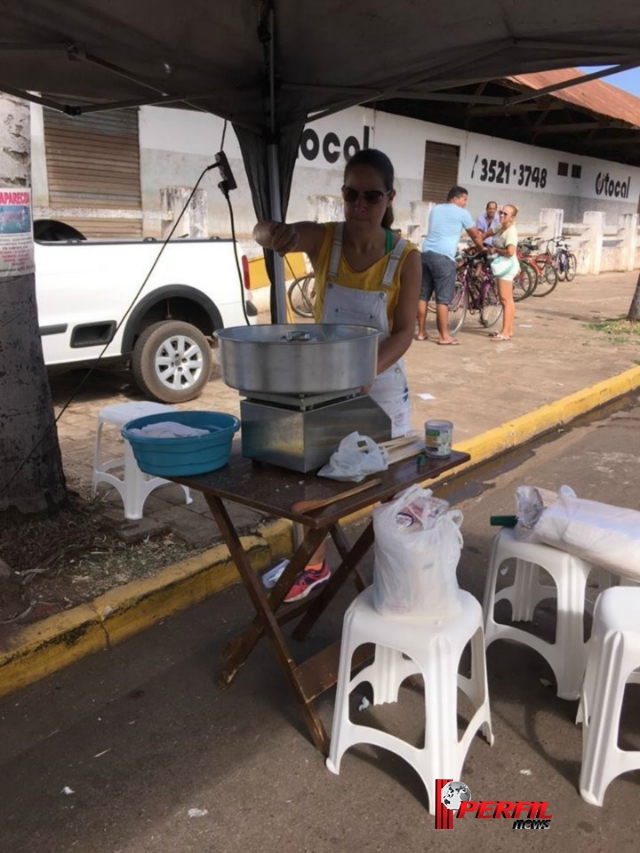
[307, 506]
[399, 453]
[399, 442]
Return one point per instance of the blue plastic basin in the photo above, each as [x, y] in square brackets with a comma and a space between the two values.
[181, 457]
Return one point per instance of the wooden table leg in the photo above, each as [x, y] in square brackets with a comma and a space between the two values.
[343, 548]
[318, 605]
[240, 647]
[268, 622]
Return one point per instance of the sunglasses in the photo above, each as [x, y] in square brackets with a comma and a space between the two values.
[370, 196]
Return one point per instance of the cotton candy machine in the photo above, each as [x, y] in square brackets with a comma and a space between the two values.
[302, 388]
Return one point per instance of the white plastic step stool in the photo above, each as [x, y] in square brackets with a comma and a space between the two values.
[568, 655]
[135, 486]
[404, 647]
[614, 659]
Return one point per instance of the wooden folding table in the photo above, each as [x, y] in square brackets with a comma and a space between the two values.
[273, 491]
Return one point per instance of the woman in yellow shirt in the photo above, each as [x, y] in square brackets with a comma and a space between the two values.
[366, 274]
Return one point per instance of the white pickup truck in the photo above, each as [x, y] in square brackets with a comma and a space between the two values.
[84, 287]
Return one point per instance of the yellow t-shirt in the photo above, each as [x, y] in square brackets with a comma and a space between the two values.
[367, 280]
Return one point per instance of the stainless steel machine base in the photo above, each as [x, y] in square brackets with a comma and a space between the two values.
[304, 440]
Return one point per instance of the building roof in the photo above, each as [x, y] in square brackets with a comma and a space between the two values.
[594, 119]
[597, 96]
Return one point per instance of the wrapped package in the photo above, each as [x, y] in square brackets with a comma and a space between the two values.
[602, 534]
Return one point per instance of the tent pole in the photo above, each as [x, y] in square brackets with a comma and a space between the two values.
[276, 214]
[273, 167]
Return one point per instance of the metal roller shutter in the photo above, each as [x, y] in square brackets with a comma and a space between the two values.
[440, 170]
[93, 162]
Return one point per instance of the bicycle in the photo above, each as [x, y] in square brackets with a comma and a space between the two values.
[302, 295]
[565, 261]
[475, 292]
[542, 266]
[523, 283]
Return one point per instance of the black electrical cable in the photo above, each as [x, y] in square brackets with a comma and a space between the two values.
[84, 379]
[225, 193]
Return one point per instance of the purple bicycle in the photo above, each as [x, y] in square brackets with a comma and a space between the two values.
[476, 292]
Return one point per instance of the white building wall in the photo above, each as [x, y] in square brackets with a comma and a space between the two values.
[175, 145]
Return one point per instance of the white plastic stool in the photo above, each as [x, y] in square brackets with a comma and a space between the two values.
[433, 650]
[613, 656]
[568, 655]
[135, 486]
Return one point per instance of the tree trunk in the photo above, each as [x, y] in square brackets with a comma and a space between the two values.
[31, 475]
[634, 308]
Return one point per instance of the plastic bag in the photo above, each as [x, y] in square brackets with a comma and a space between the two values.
[605, 535]
[531, 502]
[356, 457]
[504, 265]
[417, 549]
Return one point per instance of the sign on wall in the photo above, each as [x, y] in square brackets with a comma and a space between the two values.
[328, 147]
[16, 238]
[504, 165]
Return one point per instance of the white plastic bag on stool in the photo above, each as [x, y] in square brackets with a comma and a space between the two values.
[415, 565]
[608, 536]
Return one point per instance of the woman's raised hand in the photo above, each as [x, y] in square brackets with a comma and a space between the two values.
[284, 238]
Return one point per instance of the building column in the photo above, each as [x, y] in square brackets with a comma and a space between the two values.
[629, 232]
[195, 220]
[550, 222]
[593, 237]
[419, 225]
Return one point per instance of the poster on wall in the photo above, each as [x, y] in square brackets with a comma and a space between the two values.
[16, 238]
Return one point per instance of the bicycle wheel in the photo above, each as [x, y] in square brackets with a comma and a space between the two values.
[491, 310]
[562, 263]
[458, 308]
[299, 294]
[524, 283]
[572, 267]
[547, 281]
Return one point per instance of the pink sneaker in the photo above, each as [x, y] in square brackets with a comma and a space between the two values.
[306, 581]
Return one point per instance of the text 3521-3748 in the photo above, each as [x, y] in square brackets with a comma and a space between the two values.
[501, 172]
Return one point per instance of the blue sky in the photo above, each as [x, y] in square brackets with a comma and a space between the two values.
[629, 80]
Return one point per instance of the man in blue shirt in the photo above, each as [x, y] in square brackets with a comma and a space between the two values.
[489, 220]
[446, 222]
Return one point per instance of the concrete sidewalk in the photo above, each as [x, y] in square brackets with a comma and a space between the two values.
[142, 735]
[478, 385]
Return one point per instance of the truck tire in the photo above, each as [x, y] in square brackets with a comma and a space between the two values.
[171, 361]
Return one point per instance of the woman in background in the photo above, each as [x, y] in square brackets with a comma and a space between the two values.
[505, 267]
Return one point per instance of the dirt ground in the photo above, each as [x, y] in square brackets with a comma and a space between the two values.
[563, 343]
[63, 560]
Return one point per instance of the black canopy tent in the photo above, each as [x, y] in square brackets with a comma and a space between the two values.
[269, 66]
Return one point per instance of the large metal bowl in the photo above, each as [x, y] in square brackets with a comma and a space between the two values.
[301, 358]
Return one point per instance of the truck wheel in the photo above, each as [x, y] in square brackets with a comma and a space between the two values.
[171, 361]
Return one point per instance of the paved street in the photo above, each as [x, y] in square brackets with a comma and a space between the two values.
[477, 385]
[141, 734]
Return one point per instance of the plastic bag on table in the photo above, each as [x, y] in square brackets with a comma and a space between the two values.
[417, 549]
[356, 458]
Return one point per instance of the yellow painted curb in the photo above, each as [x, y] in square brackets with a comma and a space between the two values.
[517, 432]
[46, 646]
[514, 433]
[40, 649]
